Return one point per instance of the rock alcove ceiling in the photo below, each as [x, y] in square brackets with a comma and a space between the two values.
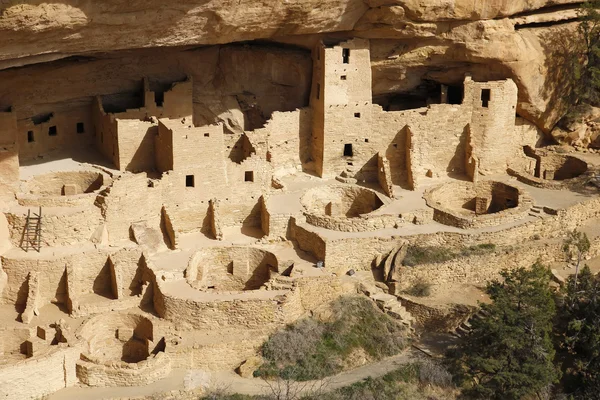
[259, 53]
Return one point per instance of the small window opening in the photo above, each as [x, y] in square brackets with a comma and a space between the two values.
[30, 137]
[366, 140]
[189, 181]
[486, 96]
[52, 131]
[159, 98]
[395, 145]
[249, 176]
[343, 77]
[206, 134]
[346, 56]
[80, 127]
[318, 91]
[356, 115]
[348, 150]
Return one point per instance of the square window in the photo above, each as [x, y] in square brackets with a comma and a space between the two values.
[189, 181]
[80, 127]
[356, 115]
[249, 176]
[52, 131]
[486, 96]
[343, 77]
[366, 140]
[30, 137]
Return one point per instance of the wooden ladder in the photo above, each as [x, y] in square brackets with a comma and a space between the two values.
[32, 236]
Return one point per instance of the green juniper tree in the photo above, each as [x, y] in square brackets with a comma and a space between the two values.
[509, 353]
[576, 245]
[587, 70]
[579, 330]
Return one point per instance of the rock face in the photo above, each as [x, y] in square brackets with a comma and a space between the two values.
[413, 42]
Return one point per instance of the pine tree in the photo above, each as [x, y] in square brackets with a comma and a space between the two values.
[509, 353]
[579, 329]
[587, 71]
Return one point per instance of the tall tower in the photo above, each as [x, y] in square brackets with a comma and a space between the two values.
[341, 101]
[494, 139]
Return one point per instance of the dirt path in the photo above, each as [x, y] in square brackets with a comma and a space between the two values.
[233, 383]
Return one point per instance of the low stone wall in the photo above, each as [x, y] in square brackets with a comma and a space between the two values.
[218, 354]
[95, 372]
[244, 309]
[363, 223]
[531, 180]
[437, 319]
[60, 227]
[40, 375]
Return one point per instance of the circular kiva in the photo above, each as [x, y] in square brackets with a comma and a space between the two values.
[231, 268]
[474, 205]
[65, 183]
[550, 170]
[345, 208]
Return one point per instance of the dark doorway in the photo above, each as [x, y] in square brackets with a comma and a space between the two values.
[486, 95]
[159, 98]
[455, 94]
[346, 56]
[348, 150]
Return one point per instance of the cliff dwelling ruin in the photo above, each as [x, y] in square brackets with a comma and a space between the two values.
[156, 223]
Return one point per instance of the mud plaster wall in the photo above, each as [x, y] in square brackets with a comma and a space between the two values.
[106, 133]
[288, 135]
[9, 156]
[66, 137]
[135, 140]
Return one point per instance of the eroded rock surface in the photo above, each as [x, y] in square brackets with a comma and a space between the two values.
[413, 41]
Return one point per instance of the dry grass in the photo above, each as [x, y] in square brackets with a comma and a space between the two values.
[311, 349]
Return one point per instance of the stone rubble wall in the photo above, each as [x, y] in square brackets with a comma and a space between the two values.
[40, 375]
[94, 373]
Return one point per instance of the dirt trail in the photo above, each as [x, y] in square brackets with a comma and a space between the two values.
[235, 383]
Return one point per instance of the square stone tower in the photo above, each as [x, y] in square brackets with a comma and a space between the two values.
[341, 101]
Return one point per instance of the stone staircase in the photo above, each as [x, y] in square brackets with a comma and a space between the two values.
[465, 327]
[347, 175]
[389, 304]
[279, 282]
[536, 211]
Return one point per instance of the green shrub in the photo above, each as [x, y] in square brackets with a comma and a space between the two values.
[418, 255]
[311, 349]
